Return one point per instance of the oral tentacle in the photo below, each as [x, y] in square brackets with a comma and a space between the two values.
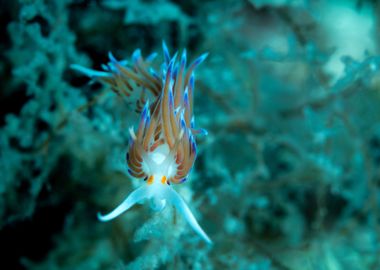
[175, 199]
[136, 196]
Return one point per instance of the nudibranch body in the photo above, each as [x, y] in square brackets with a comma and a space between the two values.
[163, 149]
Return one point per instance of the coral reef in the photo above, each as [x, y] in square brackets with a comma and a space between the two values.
[287, 178]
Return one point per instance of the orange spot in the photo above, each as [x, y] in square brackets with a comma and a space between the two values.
[150, 180]
[163, 180]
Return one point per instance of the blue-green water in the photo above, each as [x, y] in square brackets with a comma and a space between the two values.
[287, 176]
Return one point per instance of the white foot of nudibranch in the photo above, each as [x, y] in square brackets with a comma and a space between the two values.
[163, 193]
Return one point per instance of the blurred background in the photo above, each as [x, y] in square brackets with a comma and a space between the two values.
[288, 177]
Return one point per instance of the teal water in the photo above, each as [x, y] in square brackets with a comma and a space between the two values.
[286, 176]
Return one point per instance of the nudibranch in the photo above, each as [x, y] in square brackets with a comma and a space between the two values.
[163, 149]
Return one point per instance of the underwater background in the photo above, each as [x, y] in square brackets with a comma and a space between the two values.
[288, 176]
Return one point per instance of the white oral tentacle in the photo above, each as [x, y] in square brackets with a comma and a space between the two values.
[136, 196]
[175, 199]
